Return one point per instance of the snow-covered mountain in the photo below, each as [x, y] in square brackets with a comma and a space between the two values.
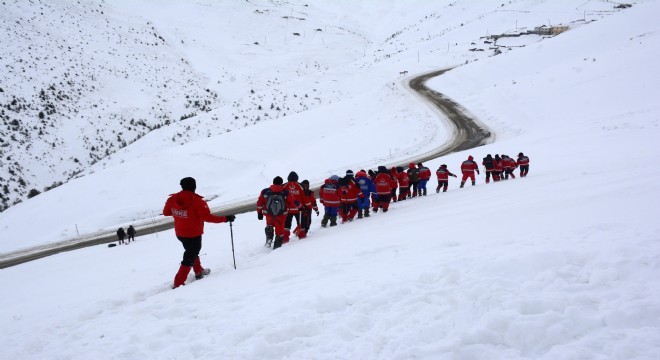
[562, 264]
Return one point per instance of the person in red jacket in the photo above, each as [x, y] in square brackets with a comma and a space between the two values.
[443, 178]
[275, 202]
[523, 162]
[330, 196]
[349, 194]
[309, 204]
[295, 189]
[509, 166]
[424, 177]
[468, 167]
[404, 183]
[395, 184]
[384, 182]
[190, 211]
[499, 168]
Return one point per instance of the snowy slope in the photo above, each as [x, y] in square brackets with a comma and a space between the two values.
[563, 264]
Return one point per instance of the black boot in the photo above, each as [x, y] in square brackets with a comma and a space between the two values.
[462, 183]
[359, 214]
[324, 222]
[333, 221]
[278, 241]
[366, 213]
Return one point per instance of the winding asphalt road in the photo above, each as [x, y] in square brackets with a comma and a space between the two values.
[468, 133]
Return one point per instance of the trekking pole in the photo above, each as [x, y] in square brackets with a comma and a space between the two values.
[231, 231]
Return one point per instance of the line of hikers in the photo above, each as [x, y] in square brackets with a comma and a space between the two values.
[355, 194]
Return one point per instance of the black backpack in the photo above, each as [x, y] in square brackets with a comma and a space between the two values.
[488, 163]
[276, 203]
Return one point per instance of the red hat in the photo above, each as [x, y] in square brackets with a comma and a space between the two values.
[470, 157]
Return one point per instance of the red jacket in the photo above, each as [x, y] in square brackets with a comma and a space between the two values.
[443, 174]
[424, 173]
[523, 160]
[295, 189]
[498, 165]
[290, 201]
[395, 177]
[350, 192]
[469, 167]
[329, 193]
[509, 163]
[310, 200]
[190, 211]
[404, 180]
[384, 183]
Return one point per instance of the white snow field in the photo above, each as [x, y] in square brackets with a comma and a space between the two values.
[562, 264]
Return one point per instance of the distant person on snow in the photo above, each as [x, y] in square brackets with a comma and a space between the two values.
[498, 173]
[349, 194]
[424, 177]
[509, 166]
[489, 166]
[384, 182]
[468, 167]
[296, 191]
[275, 202]
[330, 196]
[120, 235]
[395, 185]
[523, 162]
[309, 204]
[404, 183]
[443, 178]
[190, 211]
[413, 180]
[131, 233]
[367, 187]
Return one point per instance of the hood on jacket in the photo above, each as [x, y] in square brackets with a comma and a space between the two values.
[184, 198]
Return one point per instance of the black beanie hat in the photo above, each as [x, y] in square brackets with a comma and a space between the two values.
[188, 183]
[292, 176]
[278, 181]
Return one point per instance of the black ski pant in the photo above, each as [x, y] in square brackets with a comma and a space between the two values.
[192, 247]
[289, 221]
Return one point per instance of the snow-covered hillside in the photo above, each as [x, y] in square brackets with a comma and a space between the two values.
[563, 264]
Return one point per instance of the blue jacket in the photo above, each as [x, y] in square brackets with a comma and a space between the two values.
[366, 185]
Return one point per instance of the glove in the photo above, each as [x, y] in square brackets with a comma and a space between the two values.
[454, 175]
[317, 213]
[230, 218]
[260, 216]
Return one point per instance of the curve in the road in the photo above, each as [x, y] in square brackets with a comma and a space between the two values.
[468, 133]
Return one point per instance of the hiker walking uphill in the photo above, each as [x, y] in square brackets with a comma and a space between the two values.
[489, 166]
[309, 204]
[413, 179]
[443, 178]
[424, 177]
[499, 168]
[404, 183]
[468, 167]
[523, 162]
[296, 191]
[275, 202]
[330, 196]
[384, 182]
[120, 235]
[509, 166]
[367, 187]
[131, 233]
[349, 194]
[190, 212]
